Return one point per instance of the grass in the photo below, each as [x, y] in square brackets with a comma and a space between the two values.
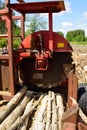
[79, 43]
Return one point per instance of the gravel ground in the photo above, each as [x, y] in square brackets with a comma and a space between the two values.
[79, 48]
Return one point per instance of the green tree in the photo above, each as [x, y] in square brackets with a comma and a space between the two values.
[36, 23]
[16, 30]
[85, 38]
[2, 23]
[76, 35]
[61, 33]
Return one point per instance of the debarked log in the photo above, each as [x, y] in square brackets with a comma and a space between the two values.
[22, 118]
[24, 125]
[15, 113]
[39, 122]
[60, 106]
[49, 111]
[54, 125]
[13, 102]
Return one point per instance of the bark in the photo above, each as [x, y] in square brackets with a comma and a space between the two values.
[21, 119]
[60, 110]
[54, 113]
[15, 113]
[11, 105]
[24, 125]
[39, 123]
[49, 112]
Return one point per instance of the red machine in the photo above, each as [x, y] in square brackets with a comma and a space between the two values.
[44, 59]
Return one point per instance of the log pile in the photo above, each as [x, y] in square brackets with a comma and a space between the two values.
[29, 110]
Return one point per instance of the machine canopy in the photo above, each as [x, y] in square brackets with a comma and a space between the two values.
[39, 7]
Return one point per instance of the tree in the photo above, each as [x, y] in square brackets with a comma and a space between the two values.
[16, 30]
[2, 23]
[36, 23]
[85, 38]
[61, 33]
[76, 35]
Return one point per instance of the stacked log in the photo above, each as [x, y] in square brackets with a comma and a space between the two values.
[33, 111]
[10, 106]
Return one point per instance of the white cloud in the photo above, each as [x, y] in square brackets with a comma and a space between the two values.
[44, 15]
[85, 14]
[80, 25]
[67, 9]
[68, 6]
[67, 24]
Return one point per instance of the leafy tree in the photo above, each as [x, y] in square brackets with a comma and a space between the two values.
[85, 38]
[16, 30]
[61, 33]
[2, 23]
[36, 23]
[76, 35]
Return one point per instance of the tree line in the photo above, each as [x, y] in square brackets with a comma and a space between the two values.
[76, 36]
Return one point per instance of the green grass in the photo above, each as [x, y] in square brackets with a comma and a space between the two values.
[79, 43]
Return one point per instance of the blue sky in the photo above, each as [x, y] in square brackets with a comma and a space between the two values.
[74, 17]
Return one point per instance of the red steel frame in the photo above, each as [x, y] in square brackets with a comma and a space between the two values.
[69, 119]
[7, 16]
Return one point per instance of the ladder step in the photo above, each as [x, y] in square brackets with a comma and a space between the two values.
[3, 35]
[3, 57]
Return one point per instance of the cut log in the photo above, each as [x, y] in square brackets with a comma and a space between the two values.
[11, 105]
[39, 122]
[15, 113]
[54, 125]
[60, 110]
[49, 111]
[24, 125]
[21, 119]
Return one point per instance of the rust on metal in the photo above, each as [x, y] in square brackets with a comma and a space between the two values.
[69, 118]
[6, 9]
[72, 87]
[39, 7]
[10, 48]
[75, 86]
[7, 15]
[50, 32]
[82, 126]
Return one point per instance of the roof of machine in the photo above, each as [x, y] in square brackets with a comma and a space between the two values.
[39, 7]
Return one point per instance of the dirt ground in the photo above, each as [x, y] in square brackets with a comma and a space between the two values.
[80, 60]
[79, 48]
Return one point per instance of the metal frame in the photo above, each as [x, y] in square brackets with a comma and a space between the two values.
[23, 8]
[70, 118]
[7, 16]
